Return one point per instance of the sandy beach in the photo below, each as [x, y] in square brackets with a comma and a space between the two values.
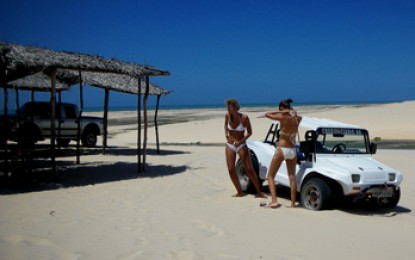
[181, 206]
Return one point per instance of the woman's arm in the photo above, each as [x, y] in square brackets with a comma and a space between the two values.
[226, 128]
[276, 114]
[247, 124]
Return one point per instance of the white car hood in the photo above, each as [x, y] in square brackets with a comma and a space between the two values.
[369, 168]
[354, 162]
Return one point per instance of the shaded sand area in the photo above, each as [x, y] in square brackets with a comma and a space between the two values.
[181, 207]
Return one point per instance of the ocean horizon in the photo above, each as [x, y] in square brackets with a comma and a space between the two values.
[222, 106]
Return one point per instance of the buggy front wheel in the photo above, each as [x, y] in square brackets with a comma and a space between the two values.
[315, 194]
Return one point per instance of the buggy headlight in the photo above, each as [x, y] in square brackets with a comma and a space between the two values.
[355, 178]
[392, 176]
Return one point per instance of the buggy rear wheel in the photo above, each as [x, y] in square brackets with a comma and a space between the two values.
[246, 183]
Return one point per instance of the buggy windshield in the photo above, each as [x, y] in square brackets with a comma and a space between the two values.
[342, 141]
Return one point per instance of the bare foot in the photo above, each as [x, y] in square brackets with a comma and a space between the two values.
[272, 206]
[294, 206]
[261, 195]
[239, 194]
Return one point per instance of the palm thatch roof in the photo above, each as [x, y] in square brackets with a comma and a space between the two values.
[30, 68]
[40, 82]
[121, 83]
[67, 78]
[17, 61]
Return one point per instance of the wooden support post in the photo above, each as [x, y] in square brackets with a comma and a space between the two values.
[105, 134]
[146, 93]
[16, 90]
[59, 117]
[52, 119]
[156, 124]
[81, 104]
[4, 137]
[139, 126]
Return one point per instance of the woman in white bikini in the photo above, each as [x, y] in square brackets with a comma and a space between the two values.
[237, 130]
[289, 122]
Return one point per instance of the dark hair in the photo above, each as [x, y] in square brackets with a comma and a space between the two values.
[234, 102]
[286, 103]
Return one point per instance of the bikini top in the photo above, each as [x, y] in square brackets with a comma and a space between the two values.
[290, 136]
[239, 128]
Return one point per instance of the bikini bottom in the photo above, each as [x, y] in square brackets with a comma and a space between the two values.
[234, 148]
[288, 153]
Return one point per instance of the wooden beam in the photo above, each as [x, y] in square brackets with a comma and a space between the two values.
[81, 104]
[156, 124]
[52, 119]
[139, 126]
[146, 93]
[105, 134]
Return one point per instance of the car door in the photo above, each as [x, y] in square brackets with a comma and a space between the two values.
[67, 122]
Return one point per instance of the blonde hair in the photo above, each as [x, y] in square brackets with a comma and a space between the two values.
[233, 102]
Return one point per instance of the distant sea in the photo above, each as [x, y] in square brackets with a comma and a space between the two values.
[222, 106]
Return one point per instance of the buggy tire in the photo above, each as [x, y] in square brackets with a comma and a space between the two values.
[246, 183]
[315, 194]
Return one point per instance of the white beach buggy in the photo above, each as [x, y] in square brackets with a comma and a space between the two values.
[334, 163]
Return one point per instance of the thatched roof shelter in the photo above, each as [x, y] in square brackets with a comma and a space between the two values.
[67, 78]
[40, 82]
[40, 69]
[30, 68]
[120, 83]
[17, 61]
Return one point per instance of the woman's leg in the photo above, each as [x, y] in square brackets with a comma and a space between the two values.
[291, 164]
[246, 160]
[230, 161]
[272, 171]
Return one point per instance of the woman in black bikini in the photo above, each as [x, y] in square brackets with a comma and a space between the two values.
[285, 151]
[235, 125]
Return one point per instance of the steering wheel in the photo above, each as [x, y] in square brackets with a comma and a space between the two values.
[338, 148]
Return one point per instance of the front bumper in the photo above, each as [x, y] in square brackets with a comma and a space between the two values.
[375, 191]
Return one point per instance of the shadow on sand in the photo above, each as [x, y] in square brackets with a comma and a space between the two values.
[362, 208]
[20, 176]
[367, 208]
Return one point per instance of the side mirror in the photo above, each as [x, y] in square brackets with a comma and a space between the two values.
[373, 148]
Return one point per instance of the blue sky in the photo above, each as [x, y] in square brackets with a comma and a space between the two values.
[257, 51]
